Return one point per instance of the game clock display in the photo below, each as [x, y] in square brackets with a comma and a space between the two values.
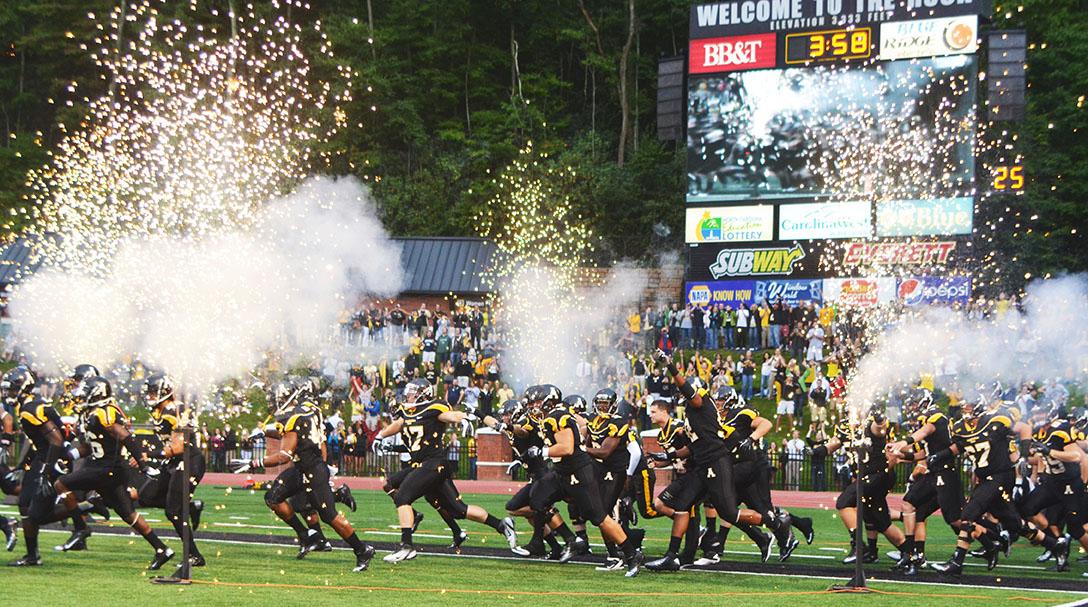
[829, 45]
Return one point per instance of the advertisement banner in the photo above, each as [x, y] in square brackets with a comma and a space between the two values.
[860, 292]
[925, 290]
[730, 224]
[732, 54]
[935, 217]
[790, 292]
[727, 292]
[898, 253]
[928, 37]
[763, 261]
[732, 17]
[825, 220]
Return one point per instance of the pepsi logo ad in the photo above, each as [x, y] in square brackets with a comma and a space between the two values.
[926, 290]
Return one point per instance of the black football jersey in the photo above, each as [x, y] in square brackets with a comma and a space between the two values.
[940, 439]
[534, 466]
[603, 427]
[704, 428]
[422, 431]
[557, 421]
[33, 416]
[1057, 435]
[737, 425]
[306, 421]
[672, 438]
[105, 449]
[874, 459]
[987, 442]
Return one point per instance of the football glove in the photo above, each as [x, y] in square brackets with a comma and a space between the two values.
[514, 465]
[1040, 447]
[533, 452]
[378, 446]
[659, 457]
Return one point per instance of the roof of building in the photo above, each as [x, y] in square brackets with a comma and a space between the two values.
[442, 266]
[15, 261]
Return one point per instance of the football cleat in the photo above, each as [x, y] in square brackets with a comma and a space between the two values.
[10, 536]
[323, 545]
[197, 560]
[870, 557]
[575, 547]
[195, 510]
[634, 564]
[1044, 557]
[1061, 554]
[669, 562]
[535, 548]
[555, 554]
[344, 496]
[406, 552]
[784, 552]
[27, 561]
[417, 518]
[510, 534]
[98, 506]
[362, 558]
[1005, 541]
[612, 563]
[978, 553]
[850, 558]
[895, 555]
[308, 546]
[76, 541]
[161, 558]
[950, 567]
[764, 546]
[709, 558]
[458, 539]
[804, 525]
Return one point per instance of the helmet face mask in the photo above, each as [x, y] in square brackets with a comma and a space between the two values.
[92, 392]
[157, 390]
[16, 383]
[417, 392]
[725, 397]
[542, 399]
[605, 401]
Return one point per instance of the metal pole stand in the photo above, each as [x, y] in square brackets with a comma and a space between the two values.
[857, 583]
[181, 576]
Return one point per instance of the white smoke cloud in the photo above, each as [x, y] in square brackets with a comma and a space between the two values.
[207, 310]
[1046, 340]
[547, 329]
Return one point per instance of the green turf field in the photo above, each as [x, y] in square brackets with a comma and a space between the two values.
[113, 568]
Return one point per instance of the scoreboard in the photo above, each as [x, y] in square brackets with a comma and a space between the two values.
[824, 121]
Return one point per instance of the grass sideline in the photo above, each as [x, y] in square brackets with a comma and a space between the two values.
[242, 574]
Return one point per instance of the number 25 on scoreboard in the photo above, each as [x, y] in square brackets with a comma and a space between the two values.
[1008, 178]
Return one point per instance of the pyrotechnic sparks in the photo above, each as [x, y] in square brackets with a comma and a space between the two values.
[199, 128]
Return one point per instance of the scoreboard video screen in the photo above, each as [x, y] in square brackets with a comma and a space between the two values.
[824, 100]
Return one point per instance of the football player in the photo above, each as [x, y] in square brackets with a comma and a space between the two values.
[676, 450]
[563, 444]
[171, 472]
[302, 444]
[1060, 482]
[931, 488]
[609, 442]
[987, 438]
[424, 421]
[713, 461]
[105, 435]
[9, 483]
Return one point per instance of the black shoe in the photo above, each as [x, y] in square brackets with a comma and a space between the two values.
[323, 545]
[991, 559]
[573, 548]
[362, 558]
[949, 567]
[870, 557]
[1044, 557]
[1004, 540]
[98, 506]
[634, 564]
[306, 547]
[978, 553]
[10, 536]
[27, 561]
[76, 541]
[197, 560]
[764, 546]
[458, 539]
[804, 525]
[909, 570]
[161, 558]
[669, 562]
[1061, 554]
[195, 510]
[417, 518]
[536, 549]
[344, 496]
[784, 552]
[555, 554]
